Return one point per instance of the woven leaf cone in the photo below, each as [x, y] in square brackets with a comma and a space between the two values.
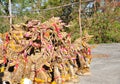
[43, 53]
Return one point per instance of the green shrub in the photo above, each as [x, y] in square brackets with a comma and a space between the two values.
[4, 25]
[105, 26]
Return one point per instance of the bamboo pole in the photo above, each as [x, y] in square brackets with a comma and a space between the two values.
[114, 4]
[80, 18]
[10, 13]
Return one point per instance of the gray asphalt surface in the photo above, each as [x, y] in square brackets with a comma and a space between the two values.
[105, 66]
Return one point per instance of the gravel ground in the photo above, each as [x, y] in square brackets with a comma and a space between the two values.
[105, 66]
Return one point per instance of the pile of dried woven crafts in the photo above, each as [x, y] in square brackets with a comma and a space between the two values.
[42, 53]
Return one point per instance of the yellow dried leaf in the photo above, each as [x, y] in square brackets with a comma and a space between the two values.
[67, 77]
[15, 36]
[39, 80]
[22, 81]
[12, 46]
[53, 82]
[2, 69]
[21, 34]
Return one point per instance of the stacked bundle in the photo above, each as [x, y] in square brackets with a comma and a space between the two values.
[42, 53]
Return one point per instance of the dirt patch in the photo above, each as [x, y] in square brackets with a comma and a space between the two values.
[100, 55]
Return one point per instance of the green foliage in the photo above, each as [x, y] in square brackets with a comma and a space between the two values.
[4, 27]
[53, 2]
[74, 29]
[105, 26]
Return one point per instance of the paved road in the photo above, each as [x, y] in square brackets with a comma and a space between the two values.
[105, 66]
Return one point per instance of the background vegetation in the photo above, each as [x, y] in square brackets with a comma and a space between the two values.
[105, 26]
